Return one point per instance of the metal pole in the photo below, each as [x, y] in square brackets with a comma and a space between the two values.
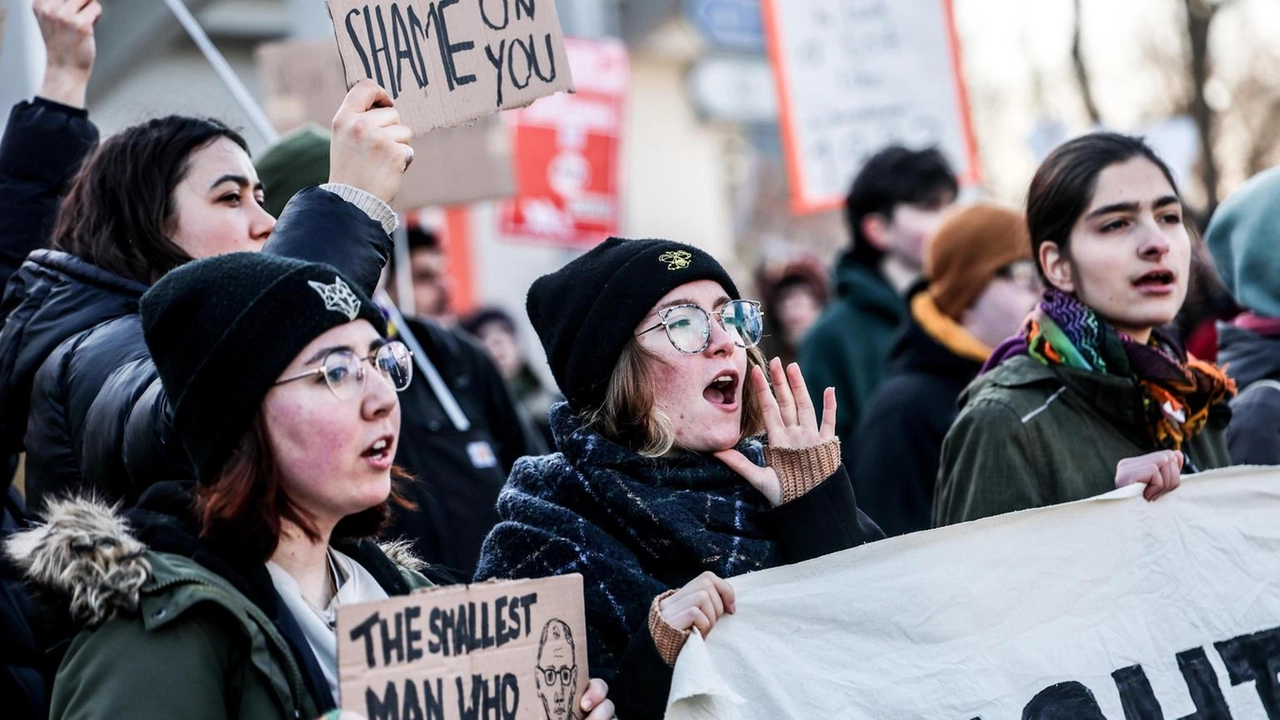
[441, 390]
[229, 78]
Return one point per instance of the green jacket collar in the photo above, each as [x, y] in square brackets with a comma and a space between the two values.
[866, 288]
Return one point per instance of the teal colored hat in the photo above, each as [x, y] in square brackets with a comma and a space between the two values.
[1244, 239]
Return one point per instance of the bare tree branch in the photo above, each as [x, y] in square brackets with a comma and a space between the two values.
[1082, 73]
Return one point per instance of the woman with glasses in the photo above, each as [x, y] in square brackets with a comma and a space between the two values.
[283, 388]
[1093, 394]
[661, 487]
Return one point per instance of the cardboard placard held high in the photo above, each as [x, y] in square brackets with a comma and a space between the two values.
[515, 650]
[447, 62]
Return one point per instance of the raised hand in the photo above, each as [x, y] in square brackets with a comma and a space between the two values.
[789, 420]
[370, 146]
[67, 28]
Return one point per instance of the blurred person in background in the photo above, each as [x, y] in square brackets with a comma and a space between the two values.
[793, 295]
[496, 330]
[1244, 239]
[981, 283]
[459, 469]
[896, 203]
[1093, 394]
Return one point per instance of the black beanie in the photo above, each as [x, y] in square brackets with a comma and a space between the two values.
[587, 311]
[222, 330]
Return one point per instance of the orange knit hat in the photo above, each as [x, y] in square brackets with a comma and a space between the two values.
[968, 250]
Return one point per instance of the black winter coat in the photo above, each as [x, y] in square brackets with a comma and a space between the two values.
[900, 435]
[71, 345]
[458, 474]
[1253, 361]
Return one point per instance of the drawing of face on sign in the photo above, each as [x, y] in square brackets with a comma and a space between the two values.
[557, 675]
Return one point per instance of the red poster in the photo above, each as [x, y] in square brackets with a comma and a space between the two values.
[567, 153]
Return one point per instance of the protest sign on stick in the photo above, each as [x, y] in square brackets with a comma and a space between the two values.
[515, 650]
[1111, 608]
[855, 76]
[303, 82]
[447, 62]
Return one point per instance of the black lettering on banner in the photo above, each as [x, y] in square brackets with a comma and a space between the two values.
[355, 41]
[500, 699]
[1139, 701]
[524, 8]
[366, 629]
[461, 641]
[433, 699]
[412, 706]
[433, 627]
[393, 643]
[447, 49]
[406, 47]
[1064, 701]
[506, 15]
[500, 621]
[386, 707]
[528, 63]
[527, 602]
[1255, 658]
[496, 62]
[412, 635]
[385, 50]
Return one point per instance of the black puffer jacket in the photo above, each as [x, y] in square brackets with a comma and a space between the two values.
[73, 349]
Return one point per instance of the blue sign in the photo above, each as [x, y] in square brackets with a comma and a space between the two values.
[729, 24]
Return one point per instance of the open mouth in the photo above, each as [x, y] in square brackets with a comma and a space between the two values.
[380, 450]
[1155, 280]
[723, 390]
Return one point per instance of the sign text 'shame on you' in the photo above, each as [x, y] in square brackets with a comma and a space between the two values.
[511, 650]
[447, 62]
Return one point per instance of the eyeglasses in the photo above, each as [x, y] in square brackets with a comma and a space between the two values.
[549, 674]
[343, 370]
[689, 326]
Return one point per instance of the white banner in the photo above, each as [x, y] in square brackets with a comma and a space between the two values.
[1111, 608]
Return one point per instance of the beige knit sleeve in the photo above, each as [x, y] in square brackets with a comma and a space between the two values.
[667, 639]
[803, 469]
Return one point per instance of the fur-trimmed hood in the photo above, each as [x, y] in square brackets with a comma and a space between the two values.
[86, 555]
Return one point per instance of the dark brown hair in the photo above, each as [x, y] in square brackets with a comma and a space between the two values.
[247, 502]
[1064, 184]
[119, 211]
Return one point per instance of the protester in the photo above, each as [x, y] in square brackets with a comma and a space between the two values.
[429, 271]
[792, 296]
[1092, 395]
[496, 330]
[981, 284]
[654, 349]
[1243, 238]
[149, 199]
[897, 202]
[230, 601]
[459, 470]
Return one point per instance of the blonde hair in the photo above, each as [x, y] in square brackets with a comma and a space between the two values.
[630, 416]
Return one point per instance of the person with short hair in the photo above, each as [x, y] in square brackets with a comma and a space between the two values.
[284, 390]
[981, 284]
[496, 331]
[660, 488]
[1093, 394]
[896, 203]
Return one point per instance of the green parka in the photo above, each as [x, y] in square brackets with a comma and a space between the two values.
[848, 347]
[1030, 435]
[164, 636]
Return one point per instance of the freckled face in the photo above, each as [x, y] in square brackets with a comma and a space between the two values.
[702, 393]
[326, 447]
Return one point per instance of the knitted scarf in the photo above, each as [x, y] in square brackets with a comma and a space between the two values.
[1177, 392]
[634, 527]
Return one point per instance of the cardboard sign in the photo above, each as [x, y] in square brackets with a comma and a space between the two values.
[303, 82]
[1112, 608]
[513, 650]
[447, 62]
[854, 77]
[568, 154]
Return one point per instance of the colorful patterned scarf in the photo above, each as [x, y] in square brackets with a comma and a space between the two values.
[1177, 392]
